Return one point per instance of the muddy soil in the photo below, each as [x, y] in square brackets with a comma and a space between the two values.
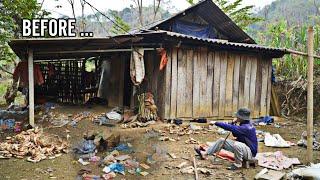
[67, 167]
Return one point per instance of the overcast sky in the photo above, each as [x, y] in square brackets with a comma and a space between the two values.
[51, 5]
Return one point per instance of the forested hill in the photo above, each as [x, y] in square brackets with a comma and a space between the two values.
[294, 12]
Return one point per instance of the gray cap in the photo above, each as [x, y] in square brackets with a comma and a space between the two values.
[244, 114]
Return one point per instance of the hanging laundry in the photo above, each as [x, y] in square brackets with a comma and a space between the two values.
[137, 71]
[51, 70]
[21, 74]
[164, 59]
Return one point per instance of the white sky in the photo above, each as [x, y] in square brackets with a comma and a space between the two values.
[103, 5]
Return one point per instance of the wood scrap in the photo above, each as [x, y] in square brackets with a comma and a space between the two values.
[195, 169]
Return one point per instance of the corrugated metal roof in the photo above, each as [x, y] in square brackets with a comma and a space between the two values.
[211, 13]
[223, 42]
[80, 47]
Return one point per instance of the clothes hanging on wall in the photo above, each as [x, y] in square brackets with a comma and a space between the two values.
[21, 74]
[51, 70]
[104, 83]
[137, 71]
[164, 59]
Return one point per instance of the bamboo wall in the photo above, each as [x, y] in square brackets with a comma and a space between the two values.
[214, 84]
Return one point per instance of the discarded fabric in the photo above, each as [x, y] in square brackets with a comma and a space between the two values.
[310, 172]
[124, 148]
[266, 120]
[114, 116]
[114, 167]
[85, 147]
[303, 141]
[7, 124]
[276, 160]
[275, 140]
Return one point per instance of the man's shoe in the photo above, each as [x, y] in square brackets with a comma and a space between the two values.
[233, 168]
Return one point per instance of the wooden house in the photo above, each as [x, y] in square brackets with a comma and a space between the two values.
[213, 66]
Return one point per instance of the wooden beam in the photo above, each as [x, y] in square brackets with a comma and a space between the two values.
[310, 96]
[301, 53]
[31, 87]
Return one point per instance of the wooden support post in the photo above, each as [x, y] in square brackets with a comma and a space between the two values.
[310, 97]
[31, 87]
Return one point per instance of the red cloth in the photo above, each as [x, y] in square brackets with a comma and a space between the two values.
[164, 58]
[21, 73]
[51, 70]
[227, 155]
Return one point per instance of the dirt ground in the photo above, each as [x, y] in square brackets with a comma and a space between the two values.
[67, 167]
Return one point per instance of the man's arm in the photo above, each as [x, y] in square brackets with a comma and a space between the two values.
[236, 130]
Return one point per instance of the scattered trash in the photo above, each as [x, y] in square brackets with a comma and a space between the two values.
[115, 167]
[309, 172]
[73, 124]
[59, 123]
[277, 125]
[143, 173]
[108, 176]
[7, 124]
[177, 121]
[266, 174]
[81, 161]
[303, 141]
[266, 120]
[172, 156]
[200, 120]
[191, 141]
[195, 127]
[122, 157]
[187, 170]
[205, 171]
[94, 159]
[275, 160]
[182, 164]
[145, 166]
[85, 147]
[124, 148]
[114, 116]
[275, 140]
[33, 144]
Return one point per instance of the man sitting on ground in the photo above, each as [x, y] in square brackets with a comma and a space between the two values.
[246, 145]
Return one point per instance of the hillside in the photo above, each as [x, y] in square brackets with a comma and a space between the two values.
[294, 12]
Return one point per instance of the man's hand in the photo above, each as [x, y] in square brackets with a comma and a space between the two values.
[234, 121]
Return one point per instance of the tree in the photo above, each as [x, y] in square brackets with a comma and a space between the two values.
[156, 7]
[120, 27]
[11, 15]
[241, 15]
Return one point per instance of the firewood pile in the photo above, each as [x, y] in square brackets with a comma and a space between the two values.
[147, 108]
[34, 145]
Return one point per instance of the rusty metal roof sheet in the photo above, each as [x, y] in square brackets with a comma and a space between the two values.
[211, 13]
[80, 47]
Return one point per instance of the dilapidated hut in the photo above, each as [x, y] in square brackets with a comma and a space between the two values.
[213, 66]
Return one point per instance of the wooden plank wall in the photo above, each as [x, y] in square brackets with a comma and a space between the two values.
[115, 95]
[198, 82]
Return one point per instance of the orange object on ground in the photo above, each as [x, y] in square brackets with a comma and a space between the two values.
[227, 155]
[164, 58]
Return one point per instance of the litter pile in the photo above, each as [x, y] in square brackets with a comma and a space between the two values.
[303, 141]
[310, 172]
[110, 118]
[118, 160]
[34, 144]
